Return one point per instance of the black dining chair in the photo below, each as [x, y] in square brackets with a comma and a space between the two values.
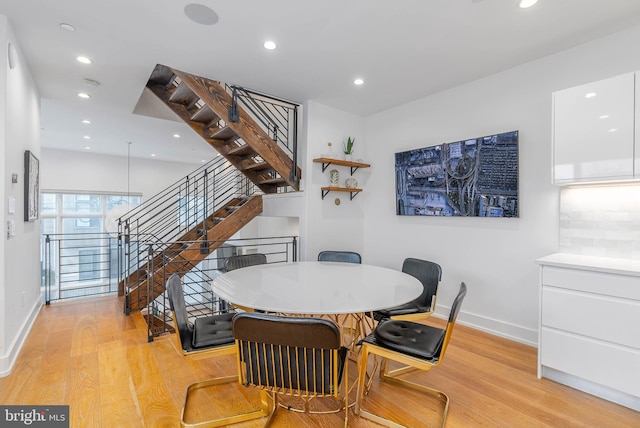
[284, 356]
[429, 274]
[244, 260]
[416, 346]
[339, 256]
[209, 333]
[240, 261]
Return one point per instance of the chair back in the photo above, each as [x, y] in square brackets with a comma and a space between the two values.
[339, 256]
[244, 260]
[289, 355]
[453, 316]
[179, 309]
[429, 274]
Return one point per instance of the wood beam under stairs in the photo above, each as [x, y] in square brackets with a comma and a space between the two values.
[203, 104]
[184, 255]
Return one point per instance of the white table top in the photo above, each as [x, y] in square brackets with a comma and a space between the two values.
[317, 287]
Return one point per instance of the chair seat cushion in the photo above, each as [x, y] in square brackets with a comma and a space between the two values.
[408, 308]
[212, 331]
[411, 338]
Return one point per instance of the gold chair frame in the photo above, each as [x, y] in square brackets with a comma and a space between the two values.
[266, 409]
[259, 365]
[410, 363]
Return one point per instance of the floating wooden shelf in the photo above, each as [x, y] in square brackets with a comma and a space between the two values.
[353, 165]
[352, 191]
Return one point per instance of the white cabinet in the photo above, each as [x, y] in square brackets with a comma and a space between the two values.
[590, 330]
[593, 131]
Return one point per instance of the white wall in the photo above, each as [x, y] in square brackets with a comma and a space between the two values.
[65, 170]
[495, 257]
[602, 221]
[19, 256]
[325, 225]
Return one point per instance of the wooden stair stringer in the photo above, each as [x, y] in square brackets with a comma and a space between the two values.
[192, 253]
[221, 146]
[214, 95]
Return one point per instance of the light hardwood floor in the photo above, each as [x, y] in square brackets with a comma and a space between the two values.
[88, 355]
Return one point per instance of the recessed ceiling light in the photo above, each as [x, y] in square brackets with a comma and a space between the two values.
[83, 59]
[86, 121]
[153, 155]
[83, 95]
[203, 161]
[67, 27]
[358, 82]
[270, 45]
[86, 137]
[590, 95]
[176, 135]
[613, 130]
[604, 116]
[527, 3]
[87, 147]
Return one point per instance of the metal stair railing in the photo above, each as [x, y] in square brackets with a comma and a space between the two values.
[199, 297]
[169, 215]
[279, 117]
[78, 265]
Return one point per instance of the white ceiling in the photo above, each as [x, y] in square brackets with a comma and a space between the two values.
[404, 50]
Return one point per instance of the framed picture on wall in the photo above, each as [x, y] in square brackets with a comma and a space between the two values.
[477, 177]
[31, 186]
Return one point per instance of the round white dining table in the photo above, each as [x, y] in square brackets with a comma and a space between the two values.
[316, 287]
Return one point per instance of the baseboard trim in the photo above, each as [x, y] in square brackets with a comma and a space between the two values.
[592, 388]
[493, 326]
[8, 360]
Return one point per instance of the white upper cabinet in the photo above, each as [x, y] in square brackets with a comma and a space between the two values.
[593, 132]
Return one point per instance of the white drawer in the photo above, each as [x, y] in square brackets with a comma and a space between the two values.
[609, 365]
[625, 286]
[607, 318]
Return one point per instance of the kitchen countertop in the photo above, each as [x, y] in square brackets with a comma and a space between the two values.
[598, 264]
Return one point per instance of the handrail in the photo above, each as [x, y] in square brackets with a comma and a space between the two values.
[200, 299]
[78, 265]
[167, 216]
[278, 116]
[185, 209]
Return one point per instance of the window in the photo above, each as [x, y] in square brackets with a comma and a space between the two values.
[80, 253]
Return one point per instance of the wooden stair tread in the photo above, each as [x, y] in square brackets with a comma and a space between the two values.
[205, 115]
[240, 150]
[161, 75]
[225, 133]
[183, 95]
[278, 180]
[256, 166]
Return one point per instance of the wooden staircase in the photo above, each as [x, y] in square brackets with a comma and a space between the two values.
[204, 104]
[189, 250]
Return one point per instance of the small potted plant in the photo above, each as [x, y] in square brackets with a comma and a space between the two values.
[348, 148]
